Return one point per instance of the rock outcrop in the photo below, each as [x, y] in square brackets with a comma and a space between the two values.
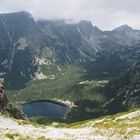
[6, 107]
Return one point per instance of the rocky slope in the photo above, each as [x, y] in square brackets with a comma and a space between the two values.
[125, 90]
[7, 108]
[117, 127]
[19, 45]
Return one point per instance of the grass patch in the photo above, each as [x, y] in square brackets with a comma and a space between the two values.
[10, 136]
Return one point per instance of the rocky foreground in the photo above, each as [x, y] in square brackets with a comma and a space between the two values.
[124, 126]
[6, 107]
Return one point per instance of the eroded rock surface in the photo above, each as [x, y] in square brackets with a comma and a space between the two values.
[6, 107]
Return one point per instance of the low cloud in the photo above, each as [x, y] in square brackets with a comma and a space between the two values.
[106, 14]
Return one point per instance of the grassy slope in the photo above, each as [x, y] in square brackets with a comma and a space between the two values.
[122, 126]
[67, 85]
[50, 88]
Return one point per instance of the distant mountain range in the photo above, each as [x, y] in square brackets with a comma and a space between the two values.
[54, 59]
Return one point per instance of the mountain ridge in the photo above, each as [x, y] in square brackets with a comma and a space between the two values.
[55, 59]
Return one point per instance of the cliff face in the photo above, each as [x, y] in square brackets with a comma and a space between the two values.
[6, 106]
[124, 91]
[3, 99]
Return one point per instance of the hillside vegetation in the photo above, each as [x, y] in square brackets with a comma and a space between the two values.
[120, 126]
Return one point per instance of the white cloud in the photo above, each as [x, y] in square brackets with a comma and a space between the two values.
[106, 14]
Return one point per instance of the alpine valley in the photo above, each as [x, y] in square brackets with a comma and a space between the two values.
[92, 72]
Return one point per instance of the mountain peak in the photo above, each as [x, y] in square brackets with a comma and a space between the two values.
[85, 23]
[124, 27]
[86, 27]
[17, 13]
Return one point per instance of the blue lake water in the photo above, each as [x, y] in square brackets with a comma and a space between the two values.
[44, 108]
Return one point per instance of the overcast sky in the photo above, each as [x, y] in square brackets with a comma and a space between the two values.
[106, 14]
